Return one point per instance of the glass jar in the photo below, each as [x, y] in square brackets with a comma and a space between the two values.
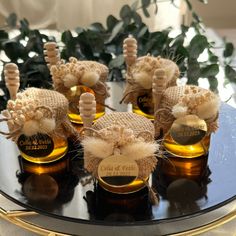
[42, 148]
[145, 105]
[73, 96]
[187, 151]
[185, 161]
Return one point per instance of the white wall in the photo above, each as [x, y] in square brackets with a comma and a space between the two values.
[68, 14]
[217, 13]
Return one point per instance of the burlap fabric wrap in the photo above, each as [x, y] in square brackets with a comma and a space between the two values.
[75, 70]
[35, 104]
[145, 67]
[142, 129]
[190, 97]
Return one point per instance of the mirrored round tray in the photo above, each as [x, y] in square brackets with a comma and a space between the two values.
[85, 209]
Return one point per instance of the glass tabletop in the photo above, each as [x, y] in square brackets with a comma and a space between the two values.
[64, 190]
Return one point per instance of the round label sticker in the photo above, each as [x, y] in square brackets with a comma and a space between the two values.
[40, 145]
[118, 170]
[188, 130]
[145, 103]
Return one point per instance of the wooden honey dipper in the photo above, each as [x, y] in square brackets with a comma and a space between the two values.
[130, 51]
[12, 79]
[158, 86]
[52, 54]
[87, 108]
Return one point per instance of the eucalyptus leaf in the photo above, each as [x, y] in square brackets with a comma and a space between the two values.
[230, 73]
[125, 11]
[134, 5]
[213, 58]
[229, 49]
[146, 3]
[11, 48]
[105, 58]
[179, 40]
[24, 27]
[184, 29]
[210, 71]
[213, 83]
[12, 20]
[145, 12]
[196, 17]
[84, 46]
[3, 37]
[79, 30]
[97, 27]
[193, 71]
[117, 62]
[111, 22]
[115, 31]
[142, 31]
[67, 37]
[137, 18]
[197, 45]
[188, 4]
[156, 7]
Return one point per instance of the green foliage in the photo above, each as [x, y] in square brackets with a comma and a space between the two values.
[230, 73]
[104, 44]
[229, 49]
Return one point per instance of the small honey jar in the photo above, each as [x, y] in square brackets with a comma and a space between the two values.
[141, 71]
[38, 123]
[186, 115]
[119, 149]
[75, 78]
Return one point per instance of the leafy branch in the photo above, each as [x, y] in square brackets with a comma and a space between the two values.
[104, 44]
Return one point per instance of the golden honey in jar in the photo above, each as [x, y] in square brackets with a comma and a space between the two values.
[73, 96]
[42, 148]
[187, 144]
[187, 151]
[145, 105]
[185, 161]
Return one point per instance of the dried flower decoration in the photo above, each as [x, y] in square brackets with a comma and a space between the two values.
[142, 70]
[122, 134]
[66, 76]
[38, 111]
[179, 101]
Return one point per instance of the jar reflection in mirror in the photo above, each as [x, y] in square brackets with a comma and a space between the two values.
[48, 191]
[187, 115]
[75, 78]
[47, 186]
[185, 195]
[140, 76]
[104, 205]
